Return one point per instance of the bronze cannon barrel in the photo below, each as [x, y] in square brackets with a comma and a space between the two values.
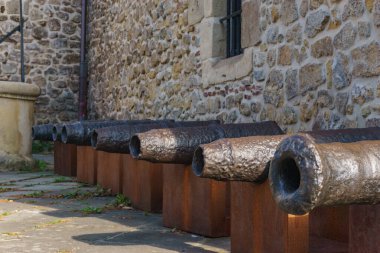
[178, 145]
[80, 132]
[236, 159]
[42, 132]
[116, 139]
[310, 170]
[248, 158]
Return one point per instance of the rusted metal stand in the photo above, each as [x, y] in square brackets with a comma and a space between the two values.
[364, 229]
[65, 159]
[142, 184]
[258, 225]
[193, 204]
[86, 165]
[109, 171]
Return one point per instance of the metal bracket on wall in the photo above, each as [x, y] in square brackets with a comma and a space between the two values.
[19, 28]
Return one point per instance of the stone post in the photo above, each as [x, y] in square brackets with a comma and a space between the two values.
[17, 118]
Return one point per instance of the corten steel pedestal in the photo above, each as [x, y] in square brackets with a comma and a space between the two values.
[86, 164]
[196, 205]
[259, 225]
[65, 159]
[142, 184]
[364, 229]
[109, 171]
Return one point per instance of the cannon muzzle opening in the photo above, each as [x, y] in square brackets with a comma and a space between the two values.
[295, 175]
[55, 133]
[94, 139]
[198, 162]
[135, 146]
[289, 175]
[33, 134]
[64, 134]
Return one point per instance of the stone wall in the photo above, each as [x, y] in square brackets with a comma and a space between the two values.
[308, 64]
[143, 60]
[52, 41]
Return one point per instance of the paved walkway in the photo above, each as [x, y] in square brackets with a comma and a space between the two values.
[43, 212]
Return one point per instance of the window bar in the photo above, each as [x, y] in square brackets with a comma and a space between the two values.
[238, 31]
[228, 18]
[233, 26]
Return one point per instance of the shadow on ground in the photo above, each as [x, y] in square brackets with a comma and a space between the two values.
[43, 212]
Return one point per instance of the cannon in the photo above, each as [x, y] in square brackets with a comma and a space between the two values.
[237, 159]
[178, 145]
[248, 159]
[325, 169]
[42, 132]
[79, 133]
[116, 139]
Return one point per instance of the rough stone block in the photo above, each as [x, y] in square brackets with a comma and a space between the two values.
[346, 37]
[213, 38]
[218, 71]
[317, 21]
[323, 47]
[366, 60]
[13, 7]
[250, 29]
[215, 8]
[195, 13]
[311, 77]
[289, 12]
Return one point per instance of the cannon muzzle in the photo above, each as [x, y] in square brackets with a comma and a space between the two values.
[237, 159]
[325, 169]
[116, 139]
[57, 132]
[178, 145]
[42, 132]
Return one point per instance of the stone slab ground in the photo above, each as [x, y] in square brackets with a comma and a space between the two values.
[43, 212]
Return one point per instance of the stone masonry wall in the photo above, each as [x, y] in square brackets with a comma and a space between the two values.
[52, 42]
[143, 60]
[308, 64]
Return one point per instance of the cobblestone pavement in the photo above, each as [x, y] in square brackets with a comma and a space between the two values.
[43, 212]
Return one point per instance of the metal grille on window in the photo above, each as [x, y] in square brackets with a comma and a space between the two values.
[233, 24]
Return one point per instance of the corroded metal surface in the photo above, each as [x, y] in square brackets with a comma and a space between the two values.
[310, 170]
[178, 145]
[247, 159]
[116, 139]
[56, 132]
[42, 132]
[80, 132]
[238, 159]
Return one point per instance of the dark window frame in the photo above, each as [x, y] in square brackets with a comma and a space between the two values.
[233, 24]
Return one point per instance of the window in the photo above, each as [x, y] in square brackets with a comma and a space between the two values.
[233, 24]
